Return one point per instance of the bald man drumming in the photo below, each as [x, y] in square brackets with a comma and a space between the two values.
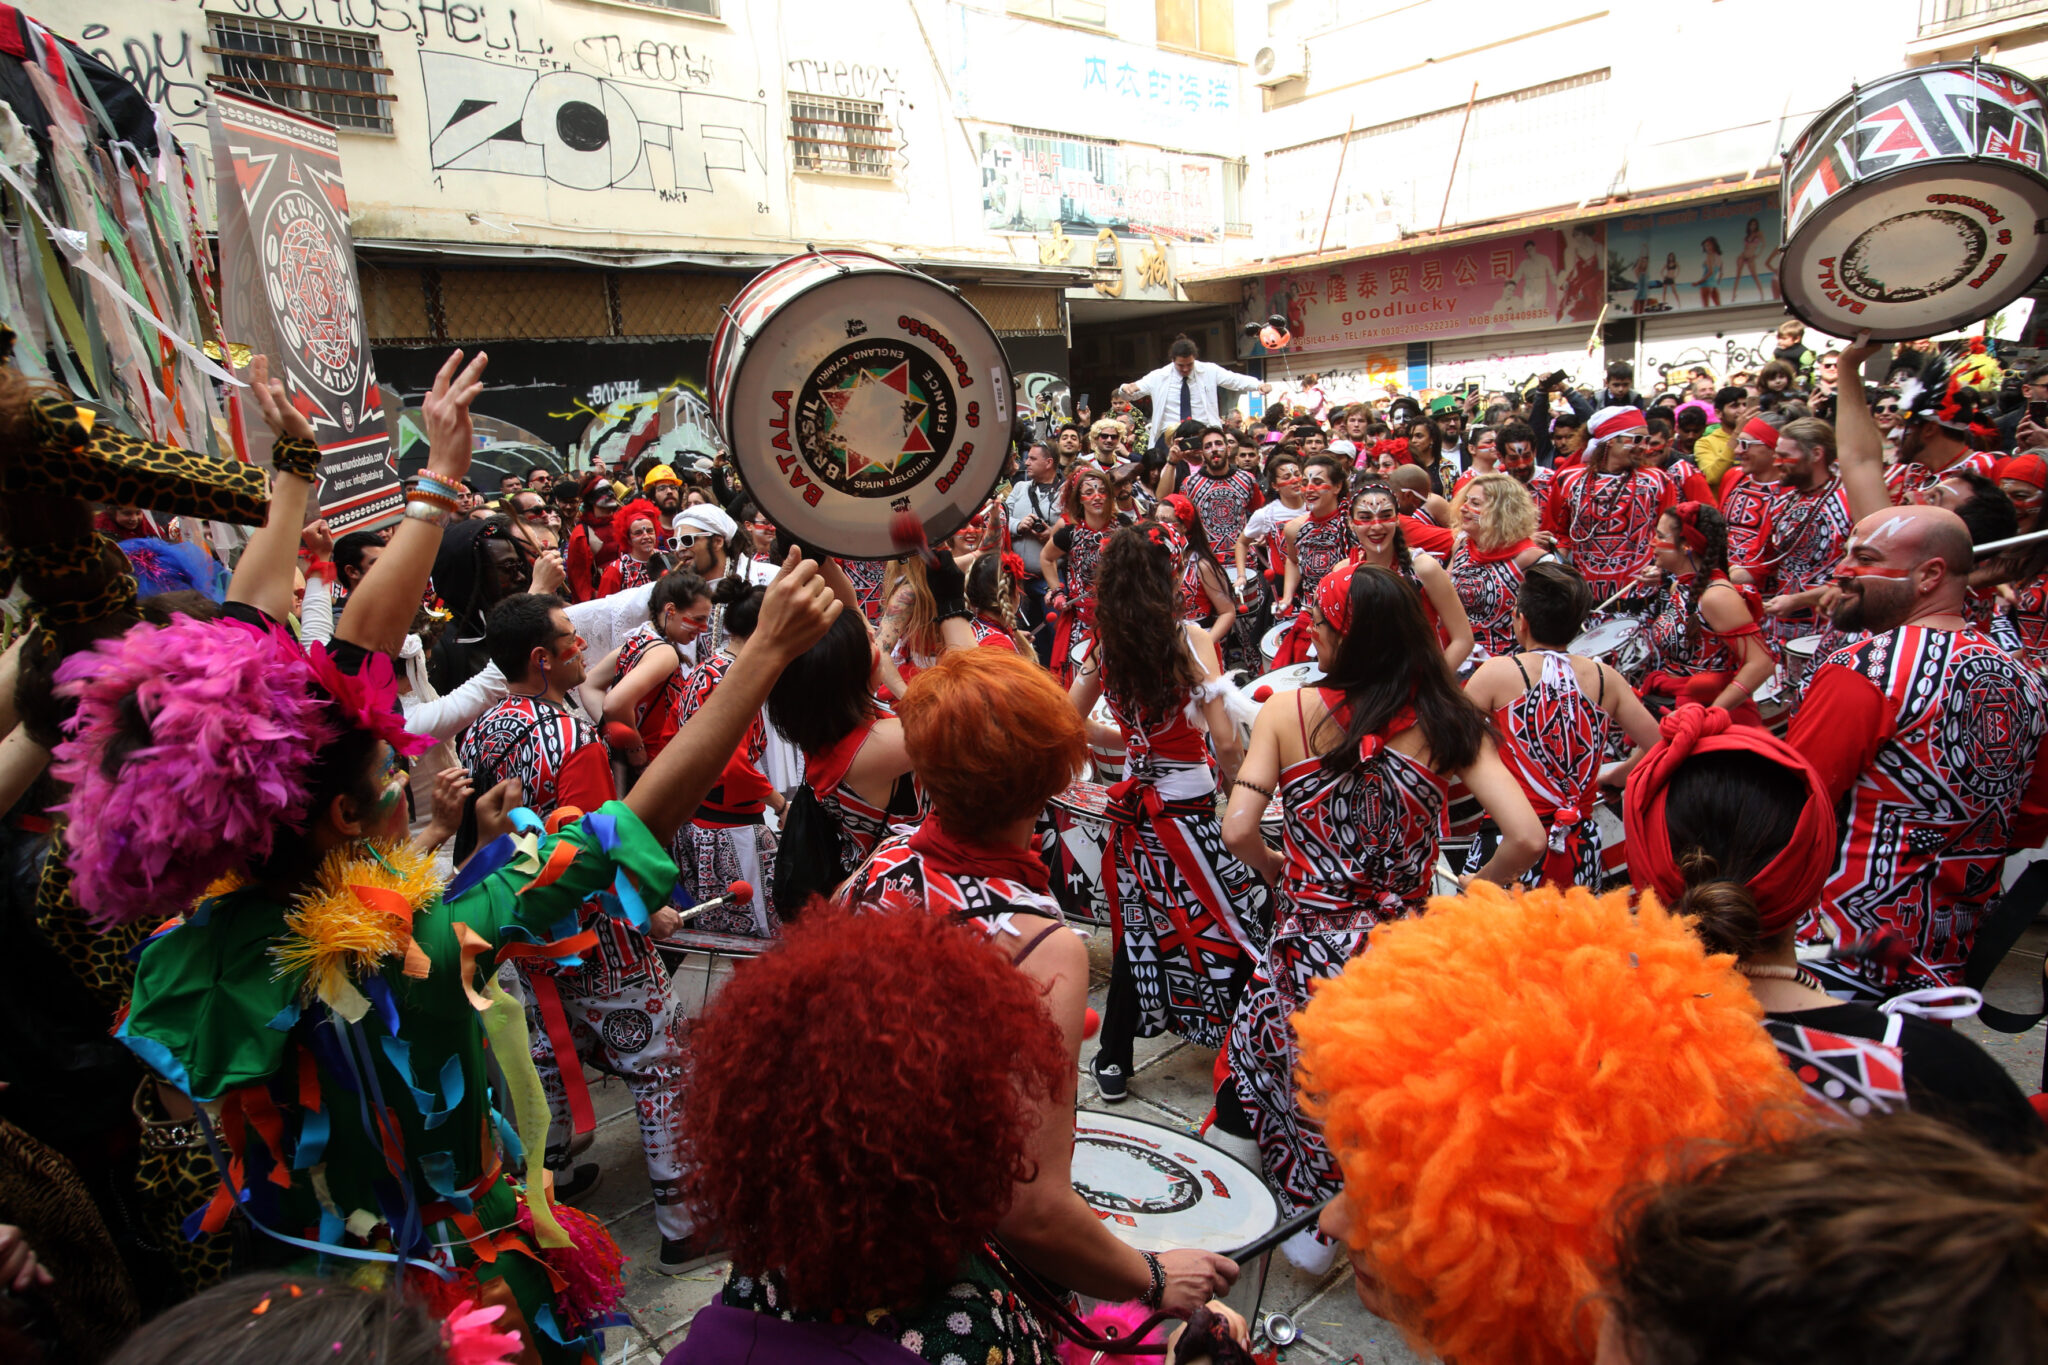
[1929, 737]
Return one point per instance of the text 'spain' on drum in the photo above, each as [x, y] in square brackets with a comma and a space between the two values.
[848, 388]
[1916, 204]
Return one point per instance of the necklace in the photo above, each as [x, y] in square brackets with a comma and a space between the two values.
[1769, 972]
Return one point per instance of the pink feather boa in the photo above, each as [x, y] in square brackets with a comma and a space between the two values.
[234, 731]
[592, 1267]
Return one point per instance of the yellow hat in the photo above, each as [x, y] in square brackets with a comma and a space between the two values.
[660, 474]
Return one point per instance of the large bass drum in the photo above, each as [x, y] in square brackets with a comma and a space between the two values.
[849, 387]
[1915, 204]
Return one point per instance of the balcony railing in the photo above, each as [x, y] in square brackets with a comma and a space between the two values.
[1948, 16]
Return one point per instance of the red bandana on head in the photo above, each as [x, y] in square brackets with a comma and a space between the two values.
[1786, 888]
[1757, 429]
[1688, 515]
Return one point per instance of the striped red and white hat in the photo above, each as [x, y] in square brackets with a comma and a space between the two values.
[1615, 422]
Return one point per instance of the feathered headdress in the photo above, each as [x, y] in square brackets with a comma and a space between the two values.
[1938, 396]
[161, 566]
[190, 748]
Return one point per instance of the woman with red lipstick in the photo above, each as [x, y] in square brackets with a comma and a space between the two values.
[1313, 545]
[1070, 561]
[1496, 519]
[1708, 646]
[1377, 539]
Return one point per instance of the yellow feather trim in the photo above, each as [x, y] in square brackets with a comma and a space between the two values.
[337, 933]
[225, 884]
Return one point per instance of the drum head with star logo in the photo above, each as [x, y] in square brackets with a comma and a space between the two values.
[849, 388]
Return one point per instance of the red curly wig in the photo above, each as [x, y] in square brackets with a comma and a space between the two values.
[1494, 1074]
[639, 509]
[908, 1061]
[991, 737]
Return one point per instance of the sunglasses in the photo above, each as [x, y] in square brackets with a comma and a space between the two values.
[536, 513]
[1887, 409]
[687, 542]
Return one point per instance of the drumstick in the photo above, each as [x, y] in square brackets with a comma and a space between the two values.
[1266, 1241]
[2010, 541]
[1616, 598]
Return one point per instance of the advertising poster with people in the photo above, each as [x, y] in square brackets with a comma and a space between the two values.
[1689, 259]
[1543, 278]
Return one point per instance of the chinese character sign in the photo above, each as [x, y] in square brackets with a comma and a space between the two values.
[1689, 259]
[290, 291]
[1011, 70]
[1542, 278]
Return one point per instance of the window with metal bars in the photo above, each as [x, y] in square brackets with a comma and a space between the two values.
[841, 137]
[339, 78]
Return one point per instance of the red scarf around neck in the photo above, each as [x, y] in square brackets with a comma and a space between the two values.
[957, 857]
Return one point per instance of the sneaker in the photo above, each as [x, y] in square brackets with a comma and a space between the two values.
[580, 1182]
[1110, 1080]
[681, 1255]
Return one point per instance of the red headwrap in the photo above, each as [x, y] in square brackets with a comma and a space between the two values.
[1333, 597]
[2027, 468]
[1688, 514]
[1397, 446]
[1789, 886]
[1757, 429]
[1013, 565]
[1182, 508]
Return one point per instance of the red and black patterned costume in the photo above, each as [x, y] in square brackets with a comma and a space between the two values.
[1554, 740]
[1746, 504]
[1542, 480]
[992, 634]
[655, 715]
[728, 839]
[1605, 522]
[1909, 477]
[866, 576]
[2021, 629]
[625, 572]
[1320, 545]
[1080, 560]
[1802, 547]
[1361, 850]
[1188, 917]
[1488, 584]
[1224, 504]
[1688, 669]
[616, 999]
[862, 824]
[1930, 740]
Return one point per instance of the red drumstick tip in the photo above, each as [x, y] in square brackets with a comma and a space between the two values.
[1262, 693]
[743, 892]
[1091, 1022]
[906, 533]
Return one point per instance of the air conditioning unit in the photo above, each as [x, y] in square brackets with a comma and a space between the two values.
[1283, 62]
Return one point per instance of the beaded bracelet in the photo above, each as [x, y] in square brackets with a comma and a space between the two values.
[1158, 1290]
[431, 483]
[440, 500]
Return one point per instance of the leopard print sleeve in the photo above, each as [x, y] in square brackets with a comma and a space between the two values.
[295, 455]
[80, 455]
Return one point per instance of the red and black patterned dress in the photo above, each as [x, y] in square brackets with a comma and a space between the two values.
[1605, 522]
[1080, 560]
[866, 576]
[1541, 480]
[728, 839]
[862, 824]
[1746, 504]
[1187, 916]
[1802, 548]
[1320, 545]
[656, 715]
[1488, 585]
[1937, 733]
[1195, 605]
[1554, 740]
[1361, 850]
[1224, 504]
[623, 573]
[992, 634]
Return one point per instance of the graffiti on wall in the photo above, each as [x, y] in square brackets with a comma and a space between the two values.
[624, 421]
[872, 82]
[584, 132]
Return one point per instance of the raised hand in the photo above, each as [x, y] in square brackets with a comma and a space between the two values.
[278, 413]
[445, 414]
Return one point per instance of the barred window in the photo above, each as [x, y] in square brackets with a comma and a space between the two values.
[339, 78]
[843, 137]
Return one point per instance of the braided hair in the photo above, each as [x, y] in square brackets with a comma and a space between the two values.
[1708, 560]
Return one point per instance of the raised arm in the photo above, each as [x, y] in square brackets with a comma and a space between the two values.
[381, 609]
[1859, 450]
[794, 616]
[263, 575]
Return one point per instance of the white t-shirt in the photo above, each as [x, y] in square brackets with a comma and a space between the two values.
[1269, 518]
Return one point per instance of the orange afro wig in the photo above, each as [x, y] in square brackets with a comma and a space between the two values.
[1492, 1075]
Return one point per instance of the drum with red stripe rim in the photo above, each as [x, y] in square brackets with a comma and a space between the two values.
[1158, 1189]
[848, 388]
[1914, 205]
